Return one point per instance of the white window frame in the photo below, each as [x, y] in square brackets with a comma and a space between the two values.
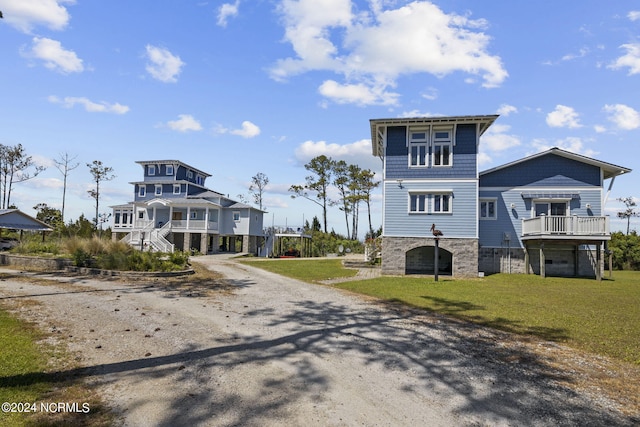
[142, 190]
[193, 215]
[417, 139]
[236, 216]
[548, 202]
[151, 170]
[158, 190]
[190, 174]
[169, 170]
[434, 201]
[418, 195]
[487, 215]
[176, 188]
[442, 141]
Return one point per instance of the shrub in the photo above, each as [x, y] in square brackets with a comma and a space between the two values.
[81, 258]
[33, 247]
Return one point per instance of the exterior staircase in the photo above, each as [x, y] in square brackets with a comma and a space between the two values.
[154, 237]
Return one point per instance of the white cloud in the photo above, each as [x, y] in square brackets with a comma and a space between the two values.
[185, 123]
[375, 48]
[484, 159]
[506, 109]
[634, 15]
[573, 144]
[360, 94]
[599, 129]
[226, 11]
[631, 59]
[358, 153]
[431, 93]
[248, 130]
[27, 14]
[497, 139]
[623, 116]
[163, 65]
[90, 106]
[55, 57]
[563, 116]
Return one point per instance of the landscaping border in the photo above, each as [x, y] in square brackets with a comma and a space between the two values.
[57, 264]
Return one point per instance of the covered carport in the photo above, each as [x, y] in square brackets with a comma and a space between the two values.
[14, 219]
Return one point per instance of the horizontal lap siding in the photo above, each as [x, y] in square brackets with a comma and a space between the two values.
[460, 223]
[509, 219]
[549, 170]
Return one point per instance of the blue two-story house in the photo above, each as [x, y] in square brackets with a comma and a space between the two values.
[541, 214]
[172, 209]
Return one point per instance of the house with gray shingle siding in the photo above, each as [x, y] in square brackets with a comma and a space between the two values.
[541, 214]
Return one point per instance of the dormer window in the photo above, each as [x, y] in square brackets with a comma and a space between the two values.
[151, 170]
[169, 170]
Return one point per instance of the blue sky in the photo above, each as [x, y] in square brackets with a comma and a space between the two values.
[240, 87]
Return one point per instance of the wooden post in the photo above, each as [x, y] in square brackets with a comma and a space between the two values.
[542, 261]
[527, 267]
[435, 260]
[598, 262]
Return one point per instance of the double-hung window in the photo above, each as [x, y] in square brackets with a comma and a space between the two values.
[158, 190]
[151, 170]
[418, 147]
[418, 202]
[441, 203]
[488, 209]
[442, 147]
[142, 190]
[431, 203]
[169, 170]
[176, 188]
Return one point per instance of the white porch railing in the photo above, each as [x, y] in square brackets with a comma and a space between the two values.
[548, 225]
[194, 225]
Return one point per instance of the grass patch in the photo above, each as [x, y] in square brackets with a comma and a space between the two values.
[599, 317]
[313, 271]
[27, 374]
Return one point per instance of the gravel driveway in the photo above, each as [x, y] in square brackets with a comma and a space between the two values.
[277, 351]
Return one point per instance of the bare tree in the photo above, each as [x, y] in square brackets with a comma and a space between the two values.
[65, 164]
[258, 184]
[14, 168]
[100, 173]
[629, 212]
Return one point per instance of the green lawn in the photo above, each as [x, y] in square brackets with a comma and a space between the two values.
[312, 271]
[19, 356]
[26, 377]
[600, 317]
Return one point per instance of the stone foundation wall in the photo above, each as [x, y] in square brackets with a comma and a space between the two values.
[465, 254]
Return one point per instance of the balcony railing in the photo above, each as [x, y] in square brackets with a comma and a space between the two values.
[552, 225]
[194, 225]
